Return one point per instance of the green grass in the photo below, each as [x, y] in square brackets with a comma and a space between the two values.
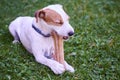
[96, 43]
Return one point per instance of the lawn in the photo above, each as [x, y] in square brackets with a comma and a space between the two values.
[94, 50]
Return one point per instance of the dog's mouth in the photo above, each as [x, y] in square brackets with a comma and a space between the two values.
[65, 37]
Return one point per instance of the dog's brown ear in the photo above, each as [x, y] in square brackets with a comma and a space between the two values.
[39, 14]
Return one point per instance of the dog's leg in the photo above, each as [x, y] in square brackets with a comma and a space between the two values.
[14, 33]
[16, 38]
[55, 66]
[69, 67]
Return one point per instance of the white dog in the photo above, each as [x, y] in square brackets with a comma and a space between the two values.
[35, 34]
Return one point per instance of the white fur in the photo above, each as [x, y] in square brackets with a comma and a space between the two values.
[21, 28]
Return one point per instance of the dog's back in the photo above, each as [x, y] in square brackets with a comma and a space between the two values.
[21, 31]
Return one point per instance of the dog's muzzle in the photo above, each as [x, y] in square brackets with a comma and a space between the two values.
[66, 37]
[69, 34]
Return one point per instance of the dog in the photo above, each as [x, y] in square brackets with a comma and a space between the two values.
[35, 34]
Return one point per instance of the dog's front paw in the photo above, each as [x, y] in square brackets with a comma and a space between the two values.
[69, 67]
[57, 68]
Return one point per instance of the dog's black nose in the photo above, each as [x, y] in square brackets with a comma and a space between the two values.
[70, 33]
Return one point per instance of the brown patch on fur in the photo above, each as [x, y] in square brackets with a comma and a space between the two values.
[49, 16]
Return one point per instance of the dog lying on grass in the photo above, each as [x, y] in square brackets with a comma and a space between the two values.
[35, 35]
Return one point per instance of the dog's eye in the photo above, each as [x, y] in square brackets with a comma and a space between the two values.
[59, 22]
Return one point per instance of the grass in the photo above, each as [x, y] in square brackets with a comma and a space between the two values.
[94, 51]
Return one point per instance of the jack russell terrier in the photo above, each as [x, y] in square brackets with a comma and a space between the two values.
[35, 35]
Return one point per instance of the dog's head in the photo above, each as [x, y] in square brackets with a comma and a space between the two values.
[55, 18]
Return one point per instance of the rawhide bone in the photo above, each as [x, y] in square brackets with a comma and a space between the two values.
[59, 48]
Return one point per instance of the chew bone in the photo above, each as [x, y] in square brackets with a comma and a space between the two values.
[59, 49]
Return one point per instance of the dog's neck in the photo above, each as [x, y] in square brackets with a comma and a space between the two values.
[45, 31]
